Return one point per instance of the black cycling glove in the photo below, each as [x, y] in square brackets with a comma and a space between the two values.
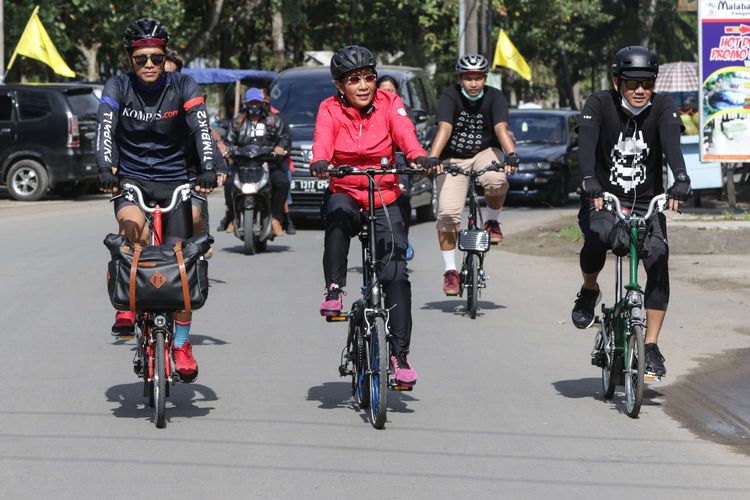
[513, 160]
[427, 163]
[319, 167]
[591, 188]
[107, 180]
[680, 190]
[207, 180]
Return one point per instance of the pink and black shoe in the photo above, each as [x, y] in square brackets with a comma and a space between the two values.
[124, 324]
[403, 372]
[332, 304]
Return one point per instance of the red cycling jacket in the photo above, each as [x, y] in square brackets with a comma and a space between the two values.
[344, 137]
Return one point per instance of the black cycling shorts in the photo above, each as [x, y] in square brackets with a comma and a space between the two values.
[177, 224]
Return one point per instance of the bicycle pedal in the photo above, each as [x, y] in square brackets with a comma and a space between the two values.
[124, 337]
[344, 371]
[402, 387]
[336, 319]
[651, 377]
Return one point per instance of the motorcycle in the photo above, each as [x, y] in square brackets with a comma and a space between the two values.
[251, 196]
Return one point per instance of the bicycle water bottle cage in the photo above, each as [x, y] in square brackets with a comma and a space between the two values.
[473, 240]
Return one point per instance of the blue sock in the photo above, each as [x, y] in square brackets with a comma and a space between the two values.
[181, 332]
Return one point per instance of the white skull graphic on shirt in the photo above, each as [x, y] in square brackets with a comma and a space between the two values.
[467, 138]
[628, 162]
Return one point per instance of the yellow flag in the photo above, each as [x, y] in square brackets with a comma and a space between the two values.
[507, 55]
[36, 44]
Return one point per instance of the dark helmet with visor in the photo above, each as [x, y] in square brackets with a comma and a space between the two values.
[350, 58]
[472, 63]
[635, 62]
[145, 32]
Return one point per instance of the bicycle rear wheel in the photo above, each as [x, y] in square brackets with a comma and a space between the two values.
[160, 380]
[609, 378]
[634, 371]
[361, 378]
[378, 357]
[472, 282]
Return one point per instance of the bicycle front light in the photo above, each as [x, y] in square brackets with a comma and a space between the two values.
[160, 320]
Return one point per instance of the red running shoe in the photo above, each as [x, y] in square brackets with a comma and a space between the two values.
[493, 227]
[184, 362]
[124, 324]
[451, 282]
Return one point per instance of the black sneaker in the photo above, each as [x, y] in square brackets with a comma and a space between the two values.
[654, 361]
[583, 310]
[223, 224]
[290, 229]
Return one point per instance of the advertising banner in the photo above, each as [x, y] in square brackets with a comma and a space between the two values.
[725, 75]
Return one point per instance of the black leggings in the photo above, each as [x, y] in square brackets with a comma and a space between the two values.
[177, 224]
[343, 220]
[596, 226]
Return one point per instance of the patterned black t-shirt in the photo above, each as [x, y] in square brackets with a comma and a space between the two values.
[473, 121]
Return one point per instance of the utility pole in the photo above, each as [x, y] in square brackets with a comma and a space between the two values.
[472, 25]
[461, 27]
[2, 43]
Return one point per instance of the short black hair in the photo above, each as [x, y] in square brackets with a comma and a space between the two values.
[387, 78]
[174, 58]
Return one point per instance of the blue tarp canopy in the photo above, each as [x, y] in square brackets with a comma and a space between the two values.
[206, 76]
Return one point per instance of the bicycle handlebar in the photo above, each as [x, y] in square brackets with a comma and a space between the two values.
[346, 170]
[133, 193]
[610, 199]
[455, 170]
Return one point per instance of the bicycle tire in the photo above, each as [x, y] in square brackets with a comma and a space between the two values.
[634, 371]
[472, 280]
[160, 380]
[361, 378]
[378, 356]
[609, 380]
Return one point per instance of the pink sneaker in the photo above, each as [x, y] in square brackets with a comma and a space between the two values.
[184, 362]
[124, 324]
[451, 282]
[332, 303]
[493, 227]
[402, 370]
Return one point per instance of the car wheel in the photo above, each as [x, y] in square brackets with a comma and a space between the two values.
[428, 213]
[27, 180]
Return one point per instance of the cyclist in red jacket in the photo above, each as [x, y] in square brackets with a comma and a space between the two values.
[358, 127]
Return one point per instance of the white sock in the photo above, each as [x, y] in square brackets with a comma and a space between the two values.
[492, 213]
[449, 260]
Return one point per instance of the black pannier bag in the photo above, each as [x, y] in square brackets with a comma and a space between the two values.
[163, 278]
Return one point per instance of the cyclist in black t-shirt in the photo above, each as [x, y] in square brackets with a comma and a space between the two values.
[472, 127]
[622, 135]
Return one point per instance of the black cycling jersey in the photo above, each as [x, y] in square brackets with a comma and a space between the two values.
[473, 121]
[270, 130]
[143, 131]
[624, 153]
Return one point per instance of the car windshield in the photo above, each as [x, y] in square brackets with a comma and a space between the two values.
[298, 97]
[537, 129]
[84, 103]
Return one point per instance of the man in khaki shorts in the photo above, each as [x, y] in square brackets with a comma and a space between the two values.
[472, 127]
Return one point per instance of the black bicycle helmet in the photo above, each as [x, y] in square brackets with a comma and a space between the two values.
[635, 62]
[472, 63]
[146, 32]
[350, 58]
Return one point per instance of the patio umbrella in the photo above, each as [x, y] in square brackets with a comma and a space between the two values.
[678, 77]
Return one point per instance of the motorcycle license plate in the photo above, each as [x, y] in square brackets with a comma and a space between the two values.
[309, 185]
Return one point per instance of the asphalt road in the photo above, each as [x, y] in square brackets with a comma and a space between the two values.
[507, 405]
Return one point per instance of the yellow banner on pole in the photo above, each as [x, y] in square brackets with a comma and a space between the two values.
[507, 56]
[36, 44]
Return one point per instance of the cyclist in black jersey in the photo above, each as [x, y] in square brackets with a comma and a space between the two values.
[623, 135]
[145, 119]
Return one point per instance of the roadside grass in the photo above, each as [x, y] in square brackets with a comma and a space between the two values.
[729, 215]
[571, 232]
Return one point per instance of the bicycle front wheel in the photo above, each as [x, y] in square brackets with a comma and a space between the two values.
[635, 367]
[378, 357]
[160, 380]
[472, 283]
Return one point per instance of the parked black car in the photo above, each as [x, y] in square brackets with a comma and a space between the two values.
[547, 143]
[47, 135]
[298, 92]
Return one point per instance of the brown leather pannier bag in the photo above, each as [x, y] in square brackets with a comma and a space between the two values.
[163, 278]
